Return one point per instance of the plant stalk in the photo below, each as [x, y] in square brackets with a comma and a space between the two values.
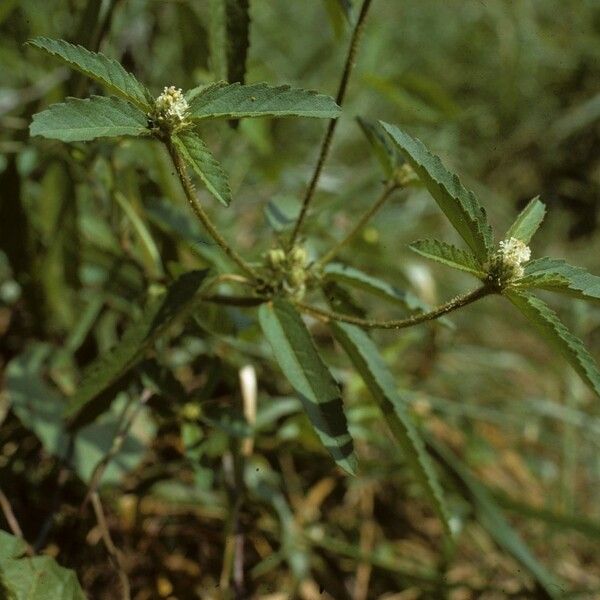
[452, 305]
[203, 217]
[387, 192]
[326, 143]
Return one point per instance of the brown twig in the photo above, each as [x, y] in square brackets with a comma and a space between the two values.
[12, 521]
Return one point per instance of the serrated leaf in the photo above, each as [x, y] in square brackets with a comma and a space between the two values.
[102, 69]
[528, 221]
[373, 285]
[383, 148]
[545, 320]
[491, 517]
[236, 101]
[555, 275]
[197, 155]
[364, 355]
[78, 120]
[96, 390]
[459, 204]
[229, 39]
[300, 362]
[448, 255]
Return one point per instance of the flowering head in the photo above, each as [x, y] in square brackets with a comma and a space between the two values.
[507, 262]
[170, 109]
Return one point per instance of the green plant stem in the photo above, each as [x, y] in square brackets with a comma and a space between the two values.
[190, 194]
[441, 310]
[387, 192]
[326, 143]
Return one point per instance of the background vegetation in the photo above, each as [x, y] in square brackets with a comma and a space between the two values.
[508, 93]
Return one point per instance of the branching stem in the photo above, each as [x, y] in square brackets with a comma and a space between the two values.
[452, 305]
[326, 143]
[387, 192]
[203, 217]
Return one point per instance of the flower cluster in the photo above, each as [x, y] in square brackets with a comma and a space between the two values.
[288, 271]
[507, 263]
[170, 108]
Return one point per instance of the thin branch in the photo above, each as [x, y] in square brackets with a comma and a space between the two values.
[452, 305]
[233, 300]
[326, 143]
[116, 446]
[203, 217]
[9, 515]
[387, 192]
[113, 551]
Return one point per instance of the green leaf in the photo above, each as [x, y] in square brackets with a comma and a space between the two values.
[198, 156]
[40, 409]
[383, 148]
[555, 275]
[102, 69]
[459, 204]
[373, 285]
[300, 362]
[545, 320]
[229, 39]
[528, 221]
[491, 517]
[448, 255]
[97, 387]
[364, 355]
[81, 120]
[38, 578]
[340, 14]
[224, 101]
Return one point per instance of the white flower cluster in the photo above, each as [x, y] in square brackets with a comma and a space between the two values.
[171, 105]
[513, 253]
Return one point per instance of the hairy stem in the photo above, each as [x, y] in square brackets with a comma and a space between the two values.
[452, 305]
[326, 143]
[387, 192]
[190, 194]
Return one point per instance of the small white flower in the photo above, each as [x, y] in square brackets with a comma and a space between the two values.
[513, 253]
[171, 105]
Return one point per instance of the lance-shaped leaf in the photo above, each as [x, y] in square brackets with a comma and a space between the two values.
[458, 204]
[78, 120]
[229, 38]
[556, 275]
[448, 255]
[300, 362]
[491, 517]
[102, 69]
[235, 101]
[357, 279]
[198, 156]
[364, 355]
[545, 320]
[528, 221]
[104, 375]
[384, 149]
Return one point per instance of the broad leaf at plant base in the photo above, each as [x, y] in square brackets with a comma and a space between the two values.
[96, 390]
[33, 578]
[95, 65]
[198, 156]
[365, 357]
[235, 101]
[528, 221]
[78, 120]
[449, 255]
[459, 204]
[295, 351]
[545, 320]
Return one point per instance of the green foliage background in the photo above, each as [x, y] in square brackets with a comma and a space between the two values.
[508, 93]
